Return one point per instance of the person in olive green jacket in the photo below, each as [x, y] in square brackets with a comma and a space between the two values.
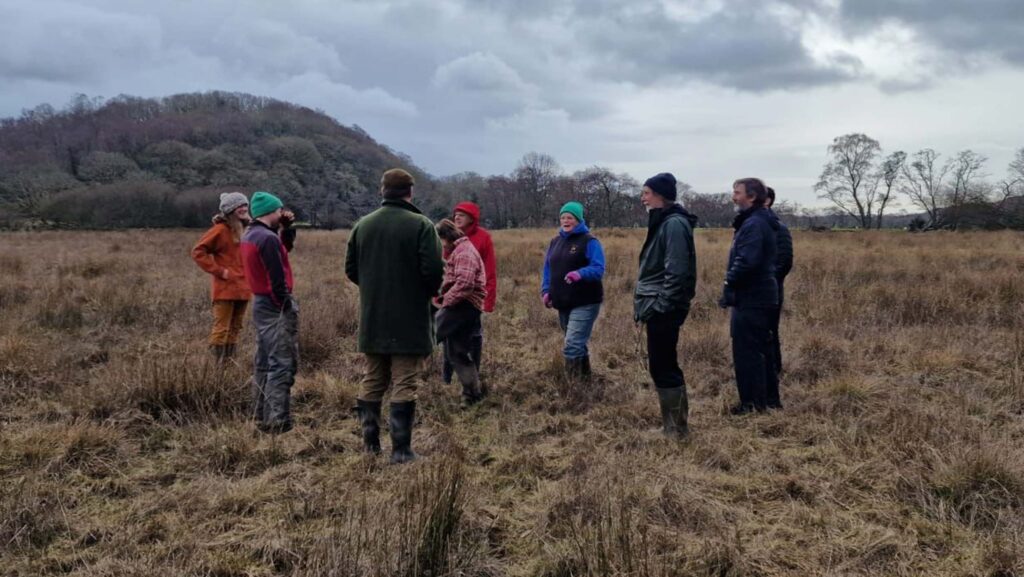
[394, 255]
[664, 288]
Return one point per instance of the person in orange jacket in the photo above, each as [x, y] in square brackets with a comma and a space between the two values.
[466, 216]
[218, 253]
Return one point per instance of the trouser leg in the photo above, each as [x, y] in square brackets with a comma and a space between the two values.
[663, 349]
[407, 377]
[460, 347]
[447, 369]
[263, 317]
[238, 310]
[220, 332]
[283, 366]
[751, 346]
[377, 378]
[578, 325]
[478, 346]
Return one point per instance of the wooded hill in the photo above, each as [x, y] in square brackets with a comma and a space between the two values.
[136, 162]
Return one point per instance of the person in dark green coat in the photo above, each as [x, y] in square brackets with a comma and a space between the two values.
[394, 255]
[665, 286]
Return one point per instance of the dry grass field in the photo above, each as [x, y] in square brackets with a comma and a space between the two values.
[125, 452]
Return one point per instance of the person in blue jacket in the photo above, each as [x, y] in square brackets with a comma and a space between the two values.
[571, 284]
[753, 293]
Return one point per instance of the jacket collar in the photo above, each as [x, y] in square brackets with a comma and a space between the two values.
[744, 214]
[656, 217]
[581, 228]
[260, 223]
[403, 204]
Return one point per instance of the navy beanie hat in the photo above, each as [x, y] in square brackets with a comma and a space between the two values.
[663, 184]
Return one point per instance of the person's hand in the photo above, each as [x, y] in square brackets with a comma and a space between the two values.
[546, 299]
[287, 218]
[728, 298]
[572, 277]
[225, 274]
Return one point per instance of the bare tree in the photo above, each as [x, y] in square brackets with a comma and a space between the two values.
[849, 180]
[922, 183]
[535, 175]
[714, 210]
[964, 169]
[1013, 184]
[889, 174]
[609, 197]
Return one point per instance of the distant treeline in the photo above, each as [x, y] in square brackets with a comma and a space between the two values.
[949, 193]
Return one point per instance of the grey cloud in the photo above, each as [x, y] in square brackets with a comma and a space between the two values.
[480, 72]
[64, 42]
[741, 46]
[958, 28]
[486, 83]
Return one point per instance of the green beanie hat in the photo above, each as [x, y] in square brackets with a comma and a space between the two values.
[574, 208]
[263, 203]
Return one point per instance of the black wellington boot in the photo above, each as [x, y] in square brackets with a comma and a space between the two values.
[674, 410]
[401, 422]
[573, 370]
[369, 418]
[585, 372]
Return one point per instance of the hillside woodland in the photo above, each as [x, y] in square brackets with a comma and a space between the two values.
[137, 162]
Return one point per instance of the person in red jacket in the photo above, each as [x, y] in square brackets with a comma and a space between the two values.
[466, 216]
[218, 253]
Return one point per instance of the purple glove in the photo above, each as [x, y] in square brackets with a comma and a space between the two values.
[572, 277]
[546, 299]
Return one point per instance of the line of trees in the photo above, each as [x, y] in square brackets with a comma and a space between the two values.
[862, 182]
[532, 193]
[136, 162]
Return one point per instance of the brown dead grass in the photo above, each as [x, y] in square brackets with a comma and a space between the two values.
[124, 451]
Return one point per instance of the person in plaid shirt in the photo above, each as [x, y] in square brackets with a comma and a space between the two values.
[462, 298]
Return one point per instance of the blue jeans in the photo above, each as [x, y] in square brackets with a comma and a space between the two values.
[577, 324]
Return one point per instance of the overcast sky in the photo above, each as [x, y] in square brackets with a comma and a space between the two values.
[710, 90]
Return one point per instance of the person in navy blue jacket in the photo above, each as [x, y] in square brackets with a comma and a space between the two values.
[571, 284]
[753, 293]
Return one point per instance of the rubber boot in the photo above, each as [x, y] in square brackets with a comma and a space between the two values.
[470, 379]
[585, 372]
[401, 422]
[369, 418]
[745, 409]
[478, 351]
[573, 369]
[674, 409]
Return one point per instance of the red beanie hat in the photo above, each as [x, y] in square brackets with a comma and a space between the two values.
[469, 208]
